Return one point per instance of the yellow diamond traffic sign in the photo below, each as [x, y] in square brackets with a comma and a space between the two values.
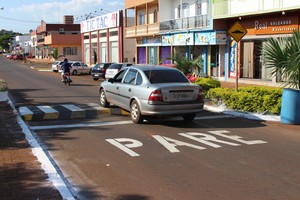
[237, 31]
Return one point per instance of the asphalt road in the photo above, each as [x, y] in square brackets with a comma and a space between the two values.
[217, 157]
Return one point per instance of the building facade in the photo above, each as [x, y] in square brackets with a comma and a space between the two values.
[163, 28]
[262, 19]
[63, 37]
[103, 40]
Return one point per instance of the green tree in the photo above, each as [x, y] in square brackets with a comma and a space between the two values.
[55, 53]
[283, 57]
[184, 64]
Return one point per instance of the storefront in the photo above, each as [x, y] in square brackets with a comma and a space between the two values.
[102, 39]
[208, 44]
[247, 54]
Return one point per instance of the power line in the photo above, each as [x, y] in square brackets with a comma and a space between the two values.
[19, 20]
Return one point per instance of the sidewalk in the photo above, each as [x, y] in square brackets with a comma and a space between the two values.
[21, 173]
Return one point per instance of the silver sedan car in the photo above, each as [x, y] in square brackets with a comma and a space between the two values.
[147, 91]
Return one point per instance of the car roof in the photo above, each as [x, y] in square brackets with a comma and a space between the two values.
[145, 67]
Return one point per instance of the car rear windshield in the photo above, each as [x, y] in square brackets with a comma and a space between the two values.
[116, 66]
[166, 76]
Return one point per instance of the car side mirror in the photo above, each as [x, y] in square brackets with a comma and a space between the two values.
[111, 80]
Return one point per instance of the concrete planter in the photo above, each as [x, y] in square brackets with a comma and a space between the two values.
[3, 90]
[290, 106]
[3, 96]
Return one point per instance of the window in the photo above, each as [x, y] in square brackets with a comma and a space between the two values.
[113, 33]
[155, 16]
[70, 51]
[142, 20]
[120, 75]
[130, 77]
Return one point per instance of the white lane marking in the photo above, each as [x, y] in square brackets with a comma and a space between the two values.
[171, 144]
[206, 139]
[98, 124]
[126, 147]
[236, 137]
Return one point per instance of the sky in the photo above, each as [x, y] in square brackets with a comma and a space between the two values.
[22, 16]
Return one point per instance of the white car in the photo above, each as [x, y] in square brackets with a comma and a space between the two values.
[79, 68]
[56, 66]
[113, 69]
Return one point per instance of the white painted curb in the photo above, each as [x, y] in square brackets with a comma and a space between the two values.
[47, 166]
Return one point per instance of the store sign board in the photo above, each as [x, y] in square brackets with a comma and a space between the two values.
[100, 22]
[179, 39]
[210, 38]
[237, 31]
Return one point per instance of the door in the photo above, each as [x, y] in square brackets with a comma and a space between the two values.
[153, 55]
[247, 67]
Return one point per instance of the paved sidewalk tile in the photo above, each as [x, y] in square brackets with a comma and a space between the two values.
[21, 174]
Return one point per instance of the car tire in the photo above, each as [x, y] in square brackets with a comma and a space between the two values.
[189, 117]
[135, 113]
[74, 72]
[103, 101]
[95, 79]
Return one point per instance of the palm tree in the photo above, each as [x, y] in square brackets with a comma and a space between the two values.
[184, 64]
[283, 57]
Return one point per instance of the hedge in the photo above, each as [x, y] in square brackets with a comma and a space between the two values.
[250, 99]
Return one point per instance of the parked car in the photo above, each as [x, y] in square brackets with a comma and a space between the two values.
[56, 66]
[98, 70]
[77, 68]
[18, 57]
[147, 91]
[80, 68]
[113, 69]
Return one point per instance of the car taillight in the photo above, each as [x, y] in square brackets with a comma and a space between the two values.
[156, 95]
[102, 69]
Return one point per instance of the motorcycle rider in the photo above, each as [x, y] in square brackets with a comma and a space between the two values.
[66, 68]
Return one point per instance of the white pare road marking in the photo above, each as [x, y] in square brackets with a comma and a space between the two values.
[131, 143]
[125, 144]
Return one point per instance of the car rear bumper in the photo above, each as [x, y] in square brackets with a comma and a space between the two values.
[170, 109]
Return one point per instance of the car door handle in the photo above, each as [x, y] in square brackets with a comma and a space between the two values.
[129, 90]
[117, 88]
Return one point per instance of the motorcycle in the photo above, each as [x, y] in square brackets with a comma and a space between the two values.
[67, 78]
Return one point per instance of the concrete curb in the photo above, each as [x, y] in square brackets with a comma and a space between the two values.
[253, 116]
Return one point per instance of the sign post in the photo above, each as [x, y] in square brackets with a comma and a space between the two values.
[237, 32]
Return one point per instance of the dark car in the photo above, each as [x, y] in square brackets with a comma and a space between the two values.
[98, 71]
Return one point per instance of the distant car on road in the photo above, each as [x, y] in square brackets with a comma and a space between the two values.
[113, 69]
[18, 57]
[80, 68]
[98, 70]
[56, 66]
[147, 91]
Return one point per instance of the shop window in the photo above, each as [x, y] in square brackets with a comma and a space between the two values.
[103, 34]
[86, 37]
[113, 33]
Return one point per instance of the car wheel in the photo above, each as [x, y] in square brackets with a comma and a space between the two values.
[74, 72]
[103, 101]
[135, 113]
[189, 117]
[95, 79]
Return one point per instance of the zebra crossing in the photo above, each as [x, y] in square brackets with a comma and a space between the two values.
[65, 111]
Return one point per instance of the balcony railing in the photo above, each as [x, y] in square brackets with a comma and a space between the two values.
[142, 30]
[197, 22]
[236, 7]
